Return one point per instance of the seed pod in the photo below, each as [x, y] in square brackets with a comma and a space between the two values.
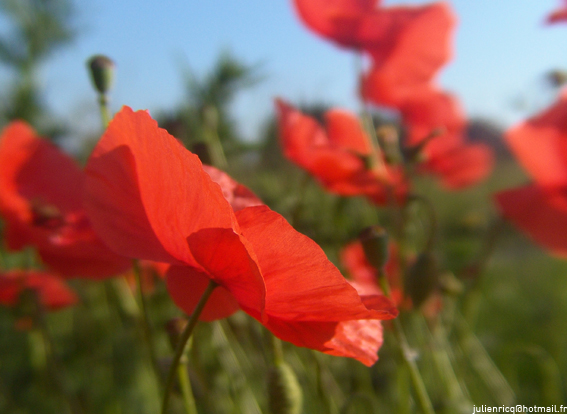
[421, 279]
[285, 393]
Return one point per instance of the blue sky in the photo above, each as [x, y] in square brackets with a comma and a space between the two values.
[502, 50]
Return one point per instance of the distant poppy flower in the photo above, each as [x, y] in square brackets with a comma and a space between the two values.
[559, 15]
[437, 117]
[51, 290]
[150, 198]
[364, 277]
[340, 157]
[41, 202]
[540, 209]
[363, 274]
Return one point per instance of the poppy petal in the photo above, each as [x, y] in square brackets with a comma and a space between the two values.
[146, 193]
[415, 46]
[229, 260]
[41, 199]
[186, 285]
[465, 166]
[540, 213]
[540, 144]
[52, 291]
[301, 283]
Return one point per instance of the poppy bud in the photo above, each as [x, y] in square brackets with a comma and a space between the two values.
[422, 278]
[284, 391]
[557, 78]
[374, 241]
[102, 72]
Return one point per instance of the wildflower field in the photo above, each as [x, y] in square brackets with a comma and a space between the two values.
[401, 258]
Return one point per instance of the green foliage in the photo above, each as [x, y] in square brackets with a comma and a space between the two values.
[38, 28]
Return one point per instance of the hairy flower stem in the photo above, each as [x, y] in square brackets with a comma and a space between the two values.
[145, 321]
[182, 342]
[104, 111]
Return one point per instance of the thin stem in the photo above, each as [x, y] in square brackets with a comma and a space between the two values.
[185, 385]
[407, 353]
[433, 226]
[104, 110]
[183, 338]
[53, 363]
[148, 334]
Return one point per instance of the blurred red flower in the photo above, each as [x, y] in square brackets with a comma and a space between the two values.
[433, 113]
[559, 15]
[364, 277]
[51, 290]
[408, 44]
[540, 209]
[150, 198]
[41, 192]
[416, 44]
[341, 158]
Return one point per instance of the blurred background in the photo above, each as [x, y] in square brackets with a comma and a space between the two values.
[179, 59]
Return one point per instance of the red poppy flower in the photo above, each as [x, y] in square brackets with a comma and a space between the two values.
[540, 209]
[559, 15]
[41, 203]
[341, 157]
[365, 278]
[150, 198]
[457, 163]
[52, 292]
[364, 275]
[415, 46]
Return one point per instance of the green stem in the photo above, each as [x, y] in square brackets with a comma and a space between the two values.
[53, 364]
[422, 397]
[185, 385]
[148, 334]
[104, 110]
[183, 338]
[407, 353]
[433, 224]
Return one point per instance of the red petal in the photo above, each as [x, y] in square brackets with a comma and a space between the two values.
[229, 260]
[235, 193]
[337, 20]
[416, 44]
[301, 283]
[540, 213]
[432, 109]
[357, 339]
[346, 133]
[52, 292]
[35, 175]
[146, 193]
[540, 144]
[186, 285]
[464, 166]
